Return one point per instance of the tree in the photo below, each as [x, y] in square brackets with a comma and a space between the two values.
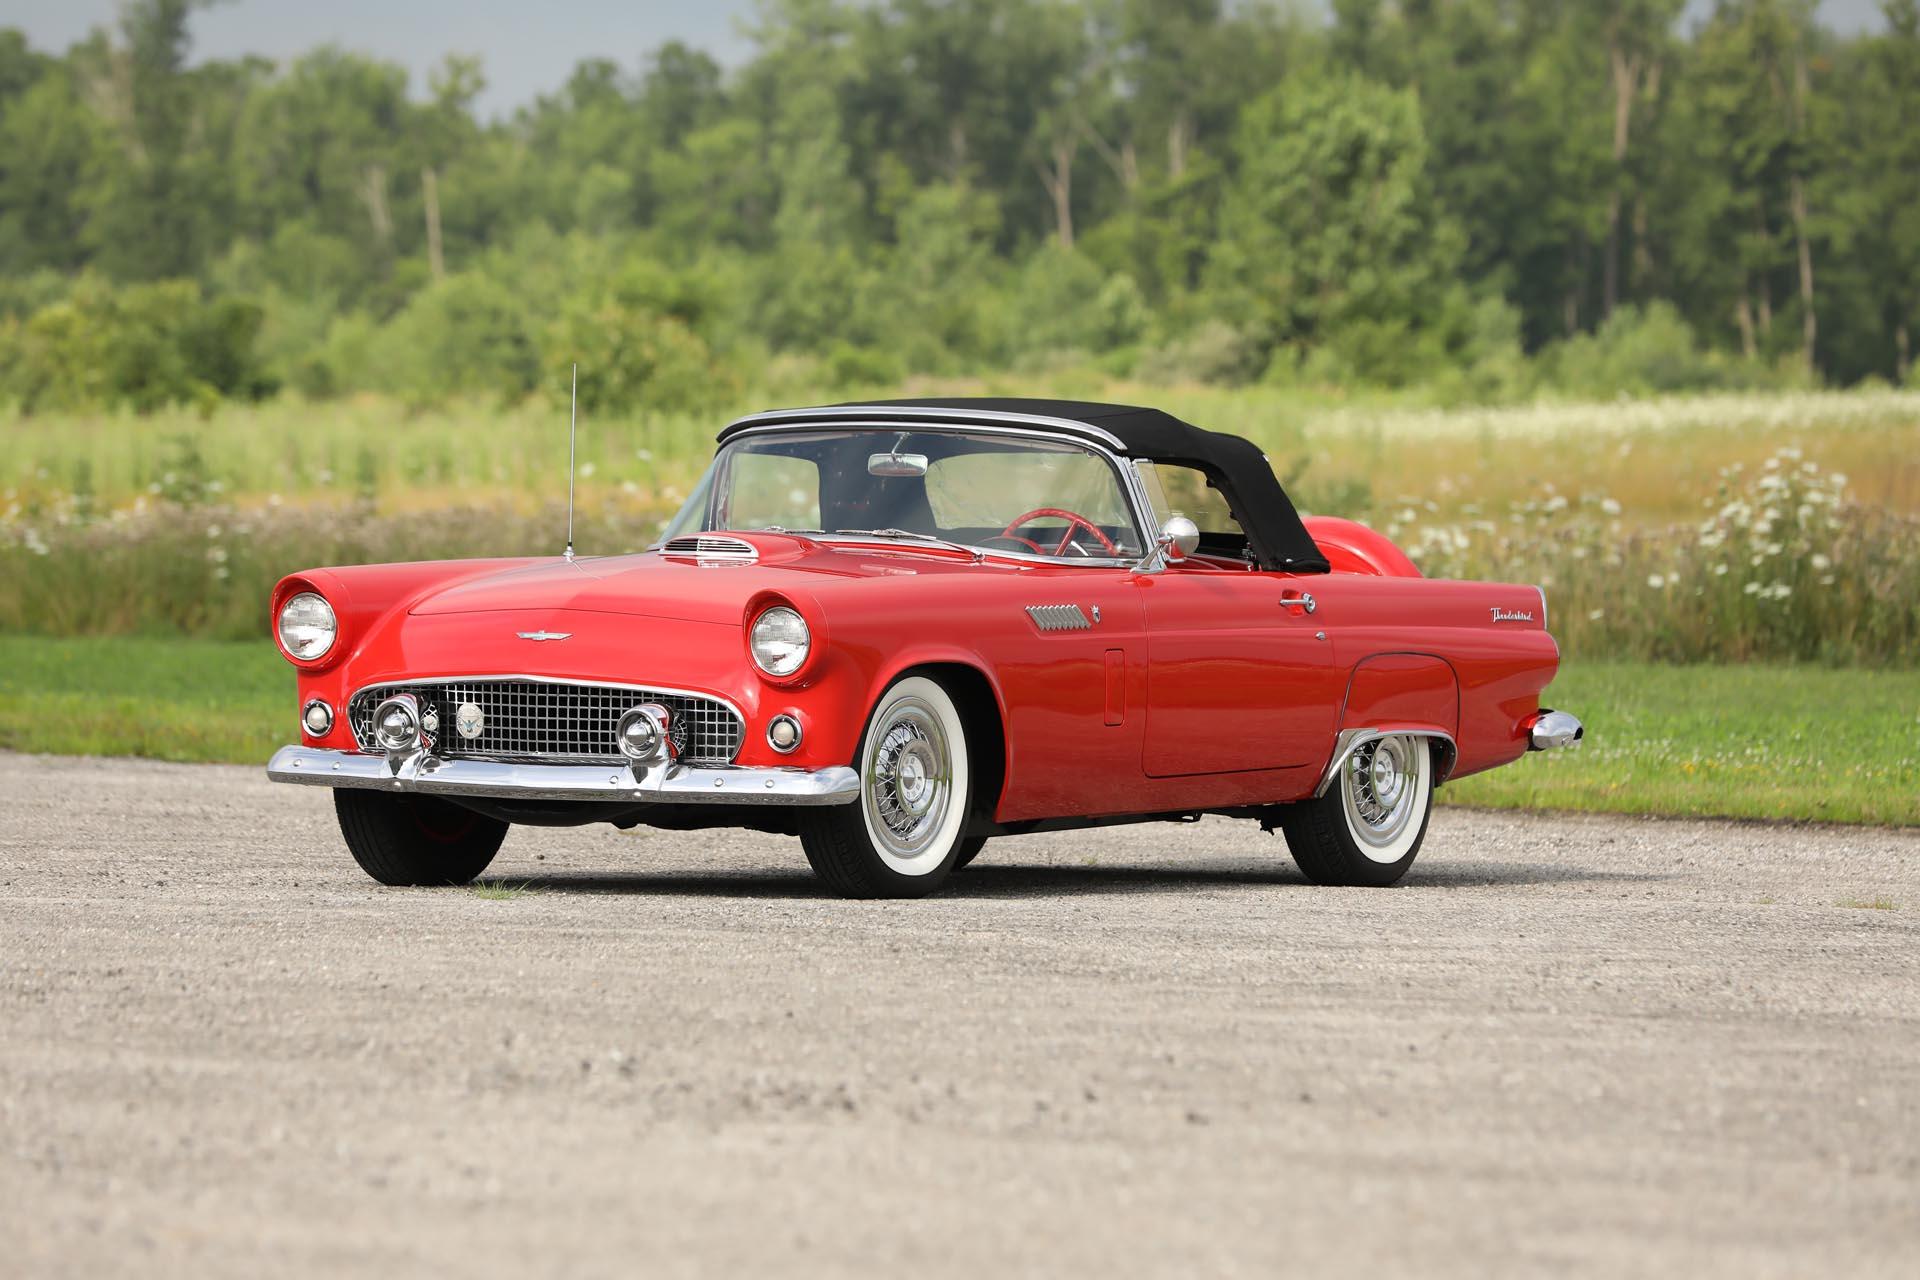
[1329, 233]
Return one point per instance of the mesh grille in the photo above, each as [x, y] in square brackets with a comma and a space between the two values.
[554, 723]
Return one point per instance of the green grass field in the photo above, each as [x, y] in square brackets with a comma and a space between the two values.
[1788, 743]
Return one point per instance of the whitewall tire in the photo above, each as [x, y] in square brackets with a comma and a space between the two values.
[904, 835]
[1368, 826]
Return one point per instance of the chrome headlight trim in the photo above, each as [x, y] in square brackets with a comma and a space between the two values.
[306, 627]
[780, 641]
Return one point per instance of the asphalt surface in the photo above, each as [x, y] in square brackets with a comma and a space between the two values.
[1565, 1045]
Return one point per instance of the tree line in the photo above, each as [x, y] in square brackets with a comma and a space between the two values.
[1488, 197]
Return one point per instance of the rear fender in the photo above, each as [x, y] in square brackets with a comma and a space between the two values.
[1351, 547]
[1405, 693]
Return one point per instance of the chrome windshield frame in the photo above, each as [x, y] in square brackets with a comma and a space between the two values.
[1132, 489]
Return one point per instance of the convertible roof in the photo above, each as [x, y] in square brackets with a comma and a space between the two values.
[1234, 466]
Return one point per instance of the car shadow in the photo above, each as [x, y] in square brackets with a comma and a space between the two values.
[1015, 881]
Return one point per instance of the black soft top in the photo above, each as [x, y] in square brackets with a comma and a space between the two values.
[1234, 466]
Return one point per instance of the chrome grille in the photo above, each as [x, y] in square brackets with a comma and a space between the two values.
[556, 723]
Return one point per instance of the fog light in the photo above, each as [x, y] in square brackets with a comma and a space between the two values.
[317, 718]
[642, 732]
[396, 723]
[783, 734]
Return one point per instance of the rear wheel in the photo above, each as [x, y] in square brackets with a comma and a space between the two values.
[1368, 827]
[416, 840]
[903, 837]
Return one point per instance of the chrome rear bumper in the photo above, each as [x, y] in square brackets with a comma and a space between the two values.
[679, 784]
[1553, 729]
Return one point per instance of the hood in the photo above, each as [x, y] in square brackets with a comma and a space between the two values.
[663, 585]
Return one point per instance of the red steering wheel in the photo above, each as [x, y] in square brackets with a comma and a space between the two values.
[1075, 521]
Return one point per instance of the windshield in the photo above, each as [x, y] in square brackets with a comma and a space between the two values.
[994, 492]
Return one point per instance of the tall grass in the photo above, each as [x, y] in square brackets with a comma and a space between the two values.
[1708, 529]
[1656, 457]
[1781, 565]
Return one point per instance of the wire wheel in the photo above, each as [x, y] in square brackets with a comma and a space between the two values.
[1383, 789]
[907, 786]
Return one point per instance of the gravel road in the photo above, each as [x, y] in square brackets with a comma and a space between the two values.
[1566, 1045]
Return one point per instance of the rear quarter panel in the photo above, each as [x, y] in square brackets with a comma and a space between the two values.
[1499, 668]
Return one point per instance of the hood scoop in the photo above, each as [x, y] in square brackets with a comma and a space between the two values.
[711, 548]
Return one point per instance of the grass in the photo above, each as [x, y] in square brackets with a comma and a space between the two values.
[166, 699]
[1798, 743]
[1658, 458]
[1787, 743]
[501, 890]
[1869, 904]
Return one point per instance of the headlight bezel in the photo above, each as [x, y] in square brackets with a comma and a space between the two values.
[780, 611]
[331, 625]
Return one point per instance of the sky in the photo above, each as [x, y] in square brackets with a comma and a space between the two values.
[526, 49]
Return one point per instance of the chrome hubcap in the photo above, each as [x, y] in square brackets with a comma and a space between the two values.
[909, 781]
[1379, 786]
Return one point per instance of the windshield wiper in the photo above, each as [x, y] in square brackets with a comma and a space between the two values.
[912, 535]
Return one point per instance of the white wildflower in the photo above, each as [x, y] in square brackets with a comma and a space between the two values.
[1656, 581]
[1752, 589]
[1596, 615]
[1820, 563]
[1609, 506]
[1720, 571]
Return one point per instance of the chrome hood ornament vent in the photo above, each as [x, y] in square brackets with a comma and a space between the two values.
[709, 548]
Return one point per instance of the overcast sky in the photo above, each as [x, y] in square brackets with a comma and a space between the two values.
[527, 49]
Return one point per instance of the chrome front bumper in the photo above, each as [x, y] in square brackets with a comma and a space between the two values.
[666, 784]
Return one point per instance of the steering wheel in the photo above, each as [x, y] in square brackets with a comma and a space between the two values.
[1075, 521]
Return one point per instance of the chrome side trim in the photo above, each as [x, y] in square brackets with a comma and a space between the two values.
[956, 421]
[1059, 617]
[909, 413]
[1350, 740]
[430, 775]
[1551, 730]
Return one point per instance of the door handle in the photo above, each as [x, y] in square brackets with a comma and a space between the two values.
[1301, 600]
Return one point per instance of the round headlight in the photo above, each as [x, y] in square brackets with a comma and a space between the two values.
[780, 641]
[307, 626]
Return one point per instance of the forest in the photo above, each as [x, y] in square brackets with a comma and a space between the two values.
[1485, 200]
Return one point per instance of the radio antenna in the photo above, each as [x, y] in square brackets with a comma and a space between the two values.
[573, 422]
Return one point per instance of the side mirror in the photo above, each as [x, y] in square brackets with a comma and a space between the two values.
[1181, 538]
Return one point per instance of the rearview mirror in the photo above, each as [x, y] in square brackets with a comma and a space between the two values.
[897, 466]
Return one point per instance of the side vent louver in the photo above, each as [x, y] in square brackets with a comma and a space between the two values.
[710, 548]
[1058, 617]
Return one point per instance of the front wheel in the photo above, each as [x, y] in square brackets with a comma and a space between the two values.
[903, 838]
[416, 840]
[1368, 827]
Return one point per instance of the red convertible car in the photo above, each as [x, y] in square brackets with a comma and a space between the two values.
[898, 630]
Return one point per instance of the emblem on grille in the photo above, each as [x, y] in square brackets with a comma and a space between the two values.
[543, 635]
[470, 720]
[1058, 617]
